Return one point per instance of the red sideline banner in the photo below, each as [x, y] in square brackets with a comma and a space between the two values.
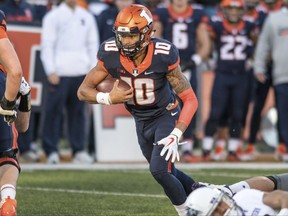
[26, 41]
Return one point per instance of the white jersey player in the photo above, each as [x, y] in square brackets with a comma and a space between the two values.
[252, 202]
[212, 201]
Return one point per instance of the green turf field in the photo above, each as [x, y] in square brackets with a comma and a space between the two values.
[107, 192]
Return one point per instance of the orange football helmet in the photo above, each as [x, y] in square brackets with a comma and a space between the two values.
[132, 20]
[228, 7]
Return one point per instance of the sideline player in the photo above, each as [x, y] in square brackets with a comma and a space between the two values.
[231, 35]
[151, 67]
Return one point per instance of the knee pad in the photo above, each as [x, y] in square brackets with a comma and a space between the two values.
[9, 157]
[280, 181]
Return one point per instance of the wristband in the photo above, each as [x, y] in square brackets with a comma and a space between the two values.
[177, 132]
[8, 105]
[103, 98]
[284, 211]
[197, 59]
[25, 103]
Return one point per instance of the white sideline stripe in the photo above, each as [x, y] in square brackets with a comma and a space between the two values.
[91, 192]
[129, 166]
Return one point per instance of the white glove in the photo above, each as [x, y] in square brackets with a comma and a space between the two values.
[7, 112]
[24, 87]
[171, 143]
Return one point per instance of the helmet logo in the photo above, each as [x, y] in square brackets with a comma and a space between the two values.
[146, 16]
[135, 72]
[214, 200]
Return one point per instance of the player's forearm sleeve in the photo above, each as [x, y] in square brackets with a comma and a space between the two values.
[190, 105]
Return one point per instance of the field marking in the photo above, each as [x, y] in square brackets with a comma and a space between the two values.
[91, 192]
[143, 166]
[222, 174]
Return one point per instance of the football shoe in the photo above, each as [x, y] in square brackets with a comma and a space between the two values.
[8, 207]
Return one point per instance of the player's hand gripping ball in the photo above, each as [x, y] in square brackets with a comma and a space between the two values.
[107, 84]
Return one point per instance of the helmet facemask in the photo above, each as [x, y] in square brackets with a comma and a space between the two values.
[230, 16]
[132, 49]
[233, 209]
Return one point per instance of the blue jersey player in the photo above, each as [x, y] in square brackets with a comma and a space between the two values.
[151, 67]
[232, 36]
[184, 24]
[255, 14]
[14, 120]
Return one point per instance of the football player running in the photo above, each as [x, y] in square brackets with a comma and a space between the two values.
[151, 67]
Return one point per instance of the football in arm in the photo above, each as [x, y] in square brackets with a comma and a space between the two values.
[107, 84]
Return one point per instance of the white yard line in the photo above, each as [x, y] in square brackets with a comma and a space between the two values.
[91, 192]
[60, 190]
[143, 166]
